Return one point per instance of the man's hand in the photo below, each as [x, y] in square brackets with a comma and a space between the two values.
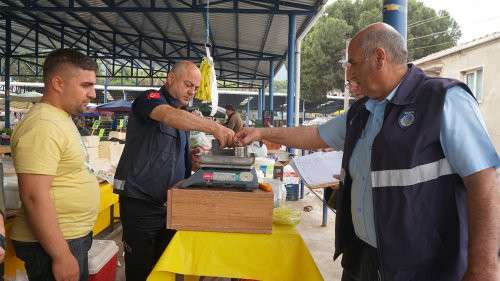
[195, 158]
[248, 135]
[65, 268]
[224, 135]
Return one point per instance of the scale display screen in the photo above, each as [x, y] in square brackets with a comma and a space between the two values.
[218, 177]
[227, 177]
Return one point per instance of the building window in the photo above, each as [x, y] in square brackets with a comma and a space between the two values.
[474, 79]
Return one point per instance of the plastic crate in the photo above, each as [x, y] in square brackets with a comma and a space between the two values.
[102, 260]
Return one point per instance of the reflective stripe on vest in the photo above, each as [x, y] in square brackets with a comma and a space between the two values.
[416, 175]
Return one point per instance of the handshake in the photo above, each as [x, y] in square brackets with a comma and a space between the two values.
[228, 138]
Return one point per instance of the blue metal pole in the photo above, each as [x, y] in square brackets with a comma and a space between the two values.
[263, 98]
[248, 110]
[291, 71]
[8, 31]
[324, 221]
[259, 105]
[271, 90]
[106, 82]
[301, 181]
[395, 14]
[36, 49]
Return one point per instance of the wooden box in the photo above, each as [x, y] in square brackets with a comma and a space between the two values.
[221, 210]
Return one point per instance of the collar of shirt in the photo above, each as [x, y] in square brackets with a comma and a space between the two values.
[171, 100]
[377, 107]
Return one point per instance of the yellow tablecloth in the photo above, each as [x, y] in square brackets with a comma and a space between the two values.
[276, 257]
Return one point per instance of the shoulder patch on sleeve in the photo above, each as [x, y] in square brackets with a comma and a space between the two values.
[153, 95]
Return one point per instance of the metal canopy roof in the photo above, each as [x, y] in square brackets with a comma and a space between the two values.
[246, 36]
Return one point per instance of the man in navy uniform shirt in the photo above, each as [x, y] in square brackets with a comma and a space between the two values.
[156, 156]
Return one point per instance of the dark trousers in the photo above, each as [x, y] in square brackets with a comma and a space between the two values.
[145, 236]
[38, 263]
[367, 268]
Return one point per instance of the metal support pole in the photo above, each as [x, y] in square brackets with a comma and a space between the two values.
[259, 105]
[326, 195]
[8, 34]
[106, 82]
[36, 50]
[114, 53]
[88, 42]
[296, 118]
[62, 37]
[301, 181]
[263, 98]
[291, 70]
[151, 72]
[248, 110]
[271, 90]
[395, 14]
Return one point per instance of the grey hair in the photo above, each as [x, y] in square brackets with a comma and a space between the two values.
[389, 40]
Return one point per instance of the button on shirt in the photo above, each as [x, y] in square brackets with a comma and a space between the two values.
[463, 137]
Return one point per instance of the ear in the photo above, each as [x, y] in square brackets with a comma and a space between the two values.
[57, 83]
[170, 78]
[380, 58]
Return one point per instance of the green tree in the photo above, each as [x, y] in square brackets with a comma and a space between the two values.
[324, 47]
[280, 86]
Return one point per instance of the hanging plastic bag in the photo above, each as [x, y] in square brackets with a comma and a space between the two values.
[203, 92]
[208, 84]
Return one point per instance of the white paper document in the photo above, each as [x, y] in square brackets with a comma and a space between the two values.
[319, 168]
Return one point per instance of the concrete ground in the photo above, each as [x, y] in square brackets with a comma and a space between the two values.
[319, 239]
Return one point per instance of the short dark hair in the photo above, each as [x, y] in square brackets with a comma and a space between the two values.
[72, 57]
[229, 107]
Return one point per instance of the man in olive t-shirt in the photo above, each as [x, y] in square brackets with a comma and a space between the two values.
[60, 197]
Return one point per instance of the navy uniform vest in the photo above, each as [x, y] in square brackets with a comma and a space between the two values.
[148, 162]
[419, 202]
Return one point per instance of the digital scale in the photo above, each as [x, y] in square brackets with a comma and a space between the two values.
[224, 171]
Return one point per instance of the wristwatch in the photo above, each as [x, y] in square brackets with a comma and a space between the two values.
[2, 242]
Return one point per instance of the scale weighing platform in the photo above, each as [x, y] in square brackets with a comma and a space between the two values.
[224, 171]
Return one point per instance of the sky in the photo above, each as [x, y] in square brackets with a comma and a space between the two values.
[476, 18]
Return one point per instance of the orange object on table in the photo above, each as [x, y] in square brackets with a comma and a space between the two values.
[266, 187]
[271, 145]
